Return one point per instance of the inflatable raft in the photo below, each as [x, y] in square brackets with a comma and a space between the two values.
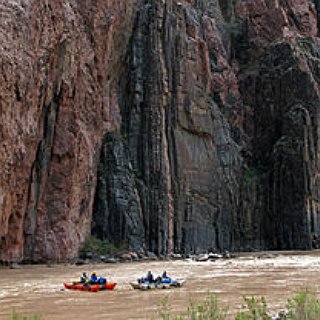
[90, 287]
[157, 285]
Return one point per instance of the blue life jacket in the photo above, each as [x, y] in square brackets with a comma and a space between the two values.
[93, 279]
[150, 278]
[102, 280]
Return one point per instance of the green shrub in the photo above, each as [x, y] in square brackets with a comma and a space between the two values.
[208, 310]
[95, 245]
[17, 316]
[304, 306]
[256, 309]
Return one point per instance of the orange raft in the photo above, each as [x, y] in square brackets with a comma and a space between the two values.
[90, 287]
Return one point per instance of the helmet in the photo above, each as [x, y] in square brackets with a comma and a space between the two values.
[94, 273]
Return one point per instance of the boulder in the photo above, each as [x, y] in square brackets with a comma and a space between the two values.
[202, 257]
[125, 257]
[111, 260]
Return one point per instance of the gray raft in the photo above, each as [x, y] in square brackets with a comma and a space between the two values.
[147, 286]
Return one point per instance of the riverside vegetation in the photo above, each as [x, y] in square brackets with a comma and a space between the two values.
[17, 316]
[98, 246]
[303, 306]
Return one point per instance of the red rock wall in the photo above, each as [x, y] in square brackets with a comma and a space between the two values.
[60, 65]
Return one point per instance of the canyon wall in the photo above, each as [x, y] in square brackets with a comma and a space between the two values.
[60, 67]
[164, 126]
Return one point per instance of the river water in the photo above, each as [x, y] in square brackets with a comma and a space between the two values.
[39, 290]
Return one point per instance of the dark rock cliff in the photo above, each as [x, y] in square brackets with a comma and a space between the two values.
[204, 115]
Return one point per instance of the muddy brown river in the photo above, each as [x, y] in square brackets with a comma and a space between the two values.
[39, 290]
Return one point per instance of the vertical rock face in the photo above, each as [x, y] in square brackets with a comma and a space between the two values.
[184, 161]
[169, 126]
[117, 194]
[220, 133]
[60, 64]
[283, 91]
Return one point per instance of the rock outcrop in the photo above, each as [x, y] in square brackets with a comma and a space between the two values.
[166, 126]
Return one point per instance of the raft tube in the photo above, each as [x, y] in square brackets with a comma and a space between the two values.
[90, 287]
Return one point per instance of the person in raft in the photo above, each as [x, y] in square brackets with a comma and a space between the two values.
[93, 278]
[163, 278]
[149, 277]
[84, 278]
[102, 280]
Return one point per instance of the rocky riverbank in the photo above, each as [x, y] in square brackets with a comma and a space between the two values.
[89, 257]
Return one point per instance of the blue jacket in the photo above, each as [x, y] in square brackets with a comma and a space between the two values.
[149, 277]
[102, 280]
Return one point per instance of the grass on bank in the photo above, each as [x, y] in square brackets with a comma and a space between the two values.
[98, 246]
[209, 309]
[17, 316]
[255, 309]
[303, 306]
